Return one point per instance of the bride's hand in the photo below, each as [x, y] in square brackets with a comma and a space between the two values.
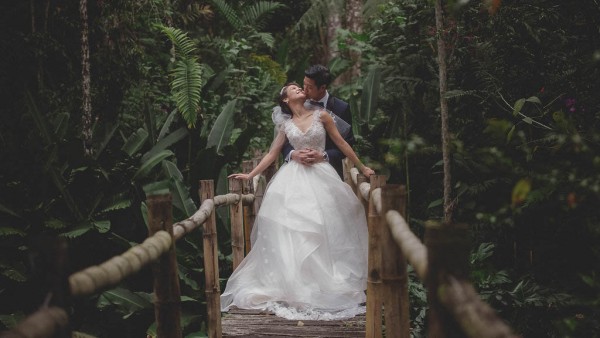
[367, 171]
[239, 176]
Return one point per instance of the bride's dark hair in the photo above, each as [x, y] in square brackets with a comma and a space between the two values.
[285, 108]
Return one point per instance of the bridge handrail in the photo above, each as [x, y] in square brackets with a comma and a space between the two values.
[46, 321]
[475, 317]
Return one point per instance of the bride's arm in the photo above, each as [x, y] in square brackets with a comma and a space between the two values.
[339, 141]
[271, 156]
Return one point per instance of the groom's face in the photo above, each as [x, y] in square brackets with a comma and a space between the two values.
[312, 91]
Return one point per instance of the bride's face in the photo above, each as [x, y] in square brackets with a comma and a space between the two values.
[295, 93]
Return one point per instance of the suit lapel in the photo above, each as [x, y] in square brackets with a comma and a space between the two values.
[331, 103]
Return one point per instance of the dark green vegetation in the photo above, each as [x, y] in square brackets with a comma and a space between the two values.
[182, 91]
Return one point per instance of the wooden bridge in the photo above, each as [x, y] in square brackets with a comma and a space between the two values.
[454, 307]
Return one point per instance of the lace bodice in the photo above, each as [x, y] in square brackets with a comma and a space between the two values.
[314, 138]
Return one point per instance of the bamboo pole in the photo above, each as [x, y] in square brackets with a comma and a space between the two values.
[249, 215]
[448, 256]
[394, 268]
[259, 192]
[167, 308]
[374, 297]
[211, 264]
[60, 291]
[236, 215]
[347, 165]
[360, 178]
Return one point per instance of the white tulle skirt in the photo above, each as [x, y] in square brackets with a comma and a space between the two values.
[309, 249]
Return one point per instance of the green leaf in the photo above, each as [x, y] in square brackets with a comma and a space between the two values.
[102, 226]
[9, 231]
[181, 198]
[78, 231]
[534, 99]
[61, 122]
[8, 211]
[518, 106]
[14, 274]
[370, 94]
[157, 188]
[229, 13]
[183, 44]
[221, 130]
[55, 223]
[171, 170]
[127, 302]
[165, 128]
[166, 142]
[118, 203]
[135, 141]
[186, 87]
[510, 134]
[152, 162]
[435, 203]
[12, 320]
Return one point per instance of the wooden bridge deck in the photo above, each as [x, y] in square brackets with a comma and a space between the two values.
[251, 323]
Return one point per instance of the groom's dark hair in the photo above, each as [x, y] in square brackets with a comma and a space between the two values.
[320, 74]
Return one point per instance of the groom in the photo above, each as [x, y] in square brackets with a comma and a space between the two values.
[316, 80]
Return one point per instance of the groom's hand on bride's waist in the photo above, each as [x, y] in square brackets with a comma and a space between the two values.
[308, 156]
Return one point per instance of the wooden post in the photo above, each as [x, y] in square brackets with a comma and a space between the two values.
[394, 267]
[374, 296]
[347, 165]
[236, 215]
[259, 193]
[60, 287]
[447, 254]
[249, 215]
[167, 308]
[211, 264]
[360, 178]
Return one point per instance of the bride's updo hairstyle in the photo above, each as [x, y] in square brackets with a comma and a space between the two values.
[283, 95]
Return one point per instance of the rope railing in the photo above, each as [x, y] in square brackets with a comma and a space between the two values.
[441, 263]
[455, 307]
[50, 320]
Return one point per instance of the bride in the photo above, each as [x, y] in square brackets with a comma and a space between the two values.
[309, 241]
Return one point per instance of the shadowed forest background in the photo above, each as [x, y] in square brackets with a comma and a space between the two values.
[104, 101]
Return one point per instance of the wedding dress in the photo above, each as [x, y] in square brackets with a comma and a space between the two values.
[309, 242]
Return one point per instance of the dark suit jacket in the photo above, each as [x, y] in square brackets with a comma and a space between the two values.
[342, 110]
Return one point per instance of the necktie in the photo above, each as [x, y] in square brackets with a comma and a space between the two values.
[317, 103]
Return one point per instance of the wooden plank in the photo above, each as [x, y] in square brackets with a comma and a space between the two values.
[253, 323]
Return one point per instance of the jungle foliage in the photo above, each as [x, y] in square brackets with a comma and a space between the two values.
[183, 91]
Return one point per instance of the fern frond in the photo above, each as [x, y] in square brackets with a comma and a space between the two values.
[183, 44]
[185, 87]
[316, 15]
[266, 38]
[256, 14]
[9, 231]
[229, 13]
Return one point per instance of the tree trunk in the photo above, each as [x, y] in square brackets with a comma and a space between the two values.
[354, 24]
[441, 49]
[86, 119]
[334, 23]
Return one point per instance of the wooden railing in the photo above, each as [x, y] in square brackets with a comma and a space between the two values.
[157, 250]
[455, 308]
